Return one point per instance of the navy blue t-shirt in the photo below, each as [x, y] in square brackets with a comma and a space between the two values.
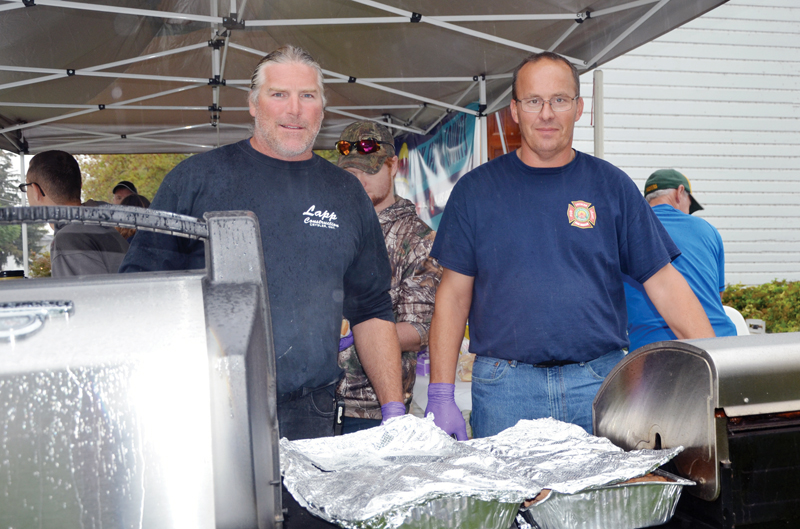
[323, 248]
[547, 249]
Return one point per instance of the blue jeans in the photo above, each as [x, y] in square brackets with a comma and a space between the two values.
[506, 391]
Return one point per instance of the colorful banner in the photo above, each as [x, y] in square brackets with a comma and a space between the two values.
[431, 165]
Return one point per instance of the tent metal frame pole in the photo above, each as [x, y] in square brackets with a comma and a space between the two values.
[404, 93]
[564, 36]
[597, 114]
[60, 74]
[372, 107]
[33, 81]
[114, 105]
[622, 36]
[483, 121]
[374, 85]
[406, 20]
[147, 57]
[501, 132]
[125, 11]
[408, 80]
[134, 107]
[140, 136]
[442, 116]
[623, 7]
[114, 75]
[382, 122]
[499, 99]
[26, 265]
[435, 21]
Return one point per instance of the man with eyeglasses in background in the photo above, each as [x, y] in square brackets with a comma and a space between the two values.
[533, 246]
[323, 248]
[366, 149]
[54, 179]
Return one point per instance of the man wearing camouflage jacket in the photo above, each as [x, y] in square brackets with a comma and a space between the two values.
[366, 149]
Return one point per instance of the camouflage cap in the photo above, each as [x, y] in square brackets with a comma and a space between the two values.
[367, 130]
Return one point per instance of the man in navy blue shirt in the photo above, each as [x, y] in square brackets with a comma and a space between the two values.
[534, 245]
[701, 263]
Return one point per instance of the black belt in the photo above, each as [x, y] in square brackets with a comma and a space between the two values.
[555, 363]
[301, 392]
[549, 363]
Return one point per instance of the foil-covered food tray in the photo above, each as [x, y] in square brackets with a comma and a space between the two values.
[629, 505]
[408, 474]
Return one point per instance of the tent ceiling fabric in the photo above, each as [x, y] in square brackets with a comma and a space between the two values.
[127, 76]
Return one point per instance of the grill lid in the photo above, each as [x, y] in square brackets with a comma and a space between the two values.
[678, 393]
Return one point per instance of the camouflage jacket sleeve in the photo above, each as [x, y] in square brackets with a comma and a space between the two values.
[415, 275]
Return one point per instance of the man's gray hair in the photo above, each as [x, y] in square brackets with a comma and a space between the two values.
[286, 54]
[658, 193]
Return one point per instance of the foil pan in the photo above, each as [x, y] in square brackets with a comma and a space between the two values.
[621, 506]
[391, 476]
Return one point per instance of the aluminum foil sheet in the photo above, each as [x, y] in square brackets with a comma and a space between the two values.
[622, 506]
[384, 477]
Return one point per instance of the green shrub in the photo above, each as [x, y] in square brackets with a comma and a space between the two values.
[39, 264]
[777, 303]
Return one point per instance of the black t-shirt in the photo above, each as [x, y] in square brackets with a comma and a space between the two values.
[323, 248]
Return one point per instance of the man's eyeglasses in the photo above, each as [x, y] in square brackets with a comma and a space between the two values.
[23, 186]
[362, 147]
[535, 104]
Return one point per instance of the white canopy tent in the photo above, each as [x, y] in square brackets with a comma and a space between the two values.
[128, 76]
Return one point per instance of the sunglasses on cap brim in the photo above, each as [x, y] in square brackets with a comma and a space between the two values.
[369, 146]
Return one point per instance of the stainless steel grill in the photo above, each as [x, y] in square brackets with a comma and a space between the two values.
[141, 400]
[734, 404]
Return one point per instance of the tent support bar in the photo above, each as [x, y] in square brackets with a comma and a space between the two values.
[143, 136]
[446, 25]
[375, 86]
[82, 112]
[32, 81]
[119, 106]
[623, 7]
[145, 57]
[501, 132]
[9, 7]
[627, 32]
[405, 94]
[62, 146]
[500, 99]
[362, 118]
[113, 75]
[406, 80]
[26, 265]
[597, 114]
[127, 11]
[405, 19]
[371, 107]
[460, 98]
[563, 36]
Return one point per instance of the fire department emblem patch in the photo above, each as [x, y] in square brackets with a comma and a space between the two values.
[581, 214]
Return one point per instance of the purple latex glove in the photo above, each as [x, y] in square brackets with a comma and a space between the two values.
[346, 341]
[446, 415]
[392, 409]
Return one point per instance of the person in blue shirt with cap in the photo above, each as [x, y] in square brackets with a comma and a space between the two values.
[702, 261]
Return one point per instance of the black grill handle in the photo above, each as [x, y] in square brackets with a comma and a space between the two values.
[108, 215]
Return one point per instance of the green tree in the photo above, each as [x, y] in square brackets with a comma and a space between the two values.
[11, 235]
[102, 172]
